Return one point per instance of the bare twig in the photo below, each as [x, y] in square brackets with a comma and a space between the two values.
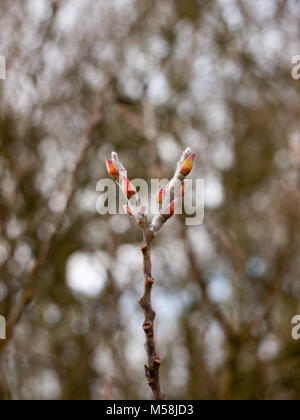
[154, 362]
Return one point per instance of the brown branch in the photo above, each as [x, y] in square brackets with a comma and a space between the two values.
[213, 307]
[154, 362]
[268, 302]
[184, 166]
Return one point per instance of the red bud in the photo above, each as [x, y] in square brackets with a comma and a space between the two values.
[187, 165]
[128, 188]
[160, 194]
[169, 210]
[112, 169]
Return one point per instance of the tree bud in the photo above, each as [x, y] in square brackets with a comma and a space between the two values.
[187, 166]
[160, 194]
[128, 188]
[112, 169]
[169, 210]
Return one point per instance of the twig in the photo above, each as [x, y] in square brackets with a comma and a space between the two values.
[171, 189]
[154, 362]
[167, 207]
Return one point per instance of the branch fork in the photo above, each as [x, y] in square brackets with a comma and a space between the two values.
[166, 199]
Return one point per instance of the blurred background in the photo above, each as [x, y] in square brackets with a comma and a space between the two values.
[147, 79]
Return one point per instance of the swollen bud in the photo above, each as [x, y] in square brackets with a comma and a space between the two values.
[169, 210]
[187, 165]
[112, 169]
[160, 194]
[128, 188]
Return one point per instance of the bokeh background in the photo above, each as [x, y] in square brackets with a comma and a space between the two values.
[147, 79]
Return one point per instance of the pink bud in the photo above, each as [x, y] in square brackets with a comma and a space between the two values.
[169, 210]
[112, 169]
[128, 188]
[160, 194]
[187, 165]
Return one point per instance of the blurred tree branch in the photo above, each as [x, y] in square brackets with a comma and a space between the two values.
[28, 293]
